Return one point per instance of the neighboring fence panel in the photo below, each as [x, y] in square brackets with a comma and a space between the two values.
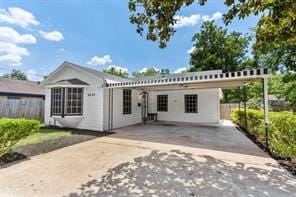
[31, 109]
[225, 110]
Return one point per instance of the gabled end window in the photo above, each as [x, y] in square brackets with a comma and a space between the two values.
[162, 103]
[127, 101]
[191, 103]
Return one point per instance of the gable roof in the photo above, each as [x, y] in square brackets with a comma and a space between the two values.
[14, 86]
[100, 75]
[73, 81]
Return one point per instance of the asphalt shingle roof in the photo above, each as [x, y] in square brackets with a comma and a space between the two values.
[20, 87]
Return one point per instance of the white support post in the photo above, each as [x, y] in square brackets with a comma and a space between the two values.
[266, 117]
[265, 91]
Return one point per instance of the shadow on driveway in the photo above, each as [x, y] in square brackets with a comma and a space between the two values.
[181, 174]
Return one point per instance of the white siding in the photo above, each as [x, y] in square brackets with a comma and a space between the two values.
[208, 106]
[92, 118]
[120, 119]
[96, 104]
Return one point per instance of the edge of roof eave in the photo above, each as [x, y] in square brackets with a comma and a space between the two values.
[72, 65]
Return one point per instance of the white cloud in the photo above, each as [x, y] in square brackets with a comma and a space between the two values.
[10, 48]
[189, 51]
[99, 60]
[118, 68]
[180, 70]
[33, 75]
[10, 53]
[55, 36]
[183, 21]
[17, 16]
[146, 68]
[214, 17]
[10, 59]
[9, 35]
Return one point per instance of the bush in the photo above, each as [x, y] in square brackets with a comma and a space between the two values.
[282, 129]
[13, 130]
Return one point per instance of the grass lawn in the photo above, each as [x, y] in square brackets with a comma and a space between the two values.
[43, 135]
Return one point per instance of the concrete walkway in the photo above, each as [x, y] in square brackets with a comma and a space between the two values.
[117, 166]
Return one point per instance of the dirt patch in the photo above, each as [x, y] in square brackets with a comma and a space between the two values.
[21, 153]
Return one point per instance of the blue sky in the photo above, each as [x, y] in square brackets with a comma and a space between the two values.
[37, 36]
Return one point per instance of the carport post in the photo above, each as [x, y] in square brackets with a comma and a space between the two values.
[245, 107]
[265, 101]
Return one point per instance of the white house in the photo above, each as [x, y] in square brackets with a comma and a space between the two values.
[84, 98]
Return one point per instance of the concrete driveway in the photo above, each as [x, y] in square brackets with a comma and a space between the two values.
[153, 160]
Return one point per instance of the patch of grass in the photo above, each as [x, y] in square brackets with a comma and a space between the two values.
[43, 135]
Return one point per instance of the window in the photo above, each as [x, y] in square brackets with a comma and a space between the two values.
[191, 103]
[127, 101]
[74, 101]
[162, 103]
[14, 97]
[66, 101]
[56, 101]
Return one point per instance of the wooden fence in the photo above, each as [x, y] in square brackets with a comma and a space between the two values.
[31, 109]
[225, 110]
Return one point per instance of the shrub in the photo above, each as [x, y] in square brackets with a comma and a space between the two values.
[13, 130]
[282, 129]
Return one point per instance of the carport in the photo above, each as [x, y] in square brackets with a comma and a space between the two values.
[228, 80]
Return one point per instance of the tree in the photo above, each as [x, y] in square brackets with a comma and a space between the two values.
[116, 71]
[148, 72]
[156, 18]
[214, 49]
[280, 56]
[16, 74]
[278, 85]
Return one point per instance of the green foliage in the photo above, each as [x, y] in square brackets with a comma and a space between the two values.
[117, 72]
[290, 92]
[277, 56]
[16, 74]
[278, 85]
[282, 129]
[13, 130]
[215, 48]
[156, 18]
[277, 25]
[149, 72]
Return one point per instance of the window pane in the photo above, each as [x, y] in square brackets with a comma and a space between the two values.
[75, 100]
[191, 103]
[162, 103]
[127, 101]
[56, 102]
